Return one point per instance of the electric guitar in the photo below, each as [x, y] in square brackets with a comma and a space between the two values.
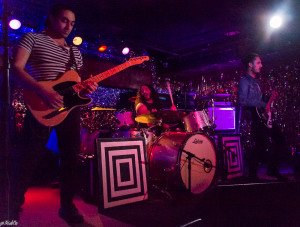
[264, 115]
[69, 86]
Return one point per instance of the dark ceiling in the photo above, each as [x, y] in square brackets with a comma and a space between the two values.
[188, 36]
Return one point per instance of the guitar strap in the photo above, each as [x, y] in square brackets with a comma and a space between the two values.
[72, 60]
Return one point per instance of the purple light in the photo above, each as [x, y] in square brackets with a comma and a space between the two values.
[125, 50]
[232, 33]
[15, 24]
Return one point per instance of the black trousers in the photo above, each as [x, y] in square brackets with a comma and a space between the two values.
[27, 153]
[266, 144]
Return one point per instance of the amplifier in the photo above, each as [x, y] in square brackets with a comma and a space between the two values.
[224, 117]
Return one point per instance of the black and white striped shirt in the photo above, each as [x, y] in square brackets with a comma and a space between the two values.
[48, 60]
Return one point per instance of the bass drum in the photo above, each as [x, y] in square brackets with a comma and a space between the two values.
[168, 162]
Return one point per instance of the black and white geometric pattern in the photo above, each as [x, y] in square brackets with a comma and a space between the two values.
[122, 171]
[233, 158]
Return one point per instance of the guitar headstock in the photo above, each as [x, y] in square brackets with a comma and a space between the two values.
[138, 60]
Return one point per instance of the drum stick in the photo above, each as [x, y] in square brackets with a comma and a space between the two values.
[170, 92]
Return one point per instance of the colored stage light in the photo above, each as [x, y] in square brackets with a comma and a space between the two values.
[77, 40]
[102, 48]
[15, 24]
[125, 50]
[276, 21]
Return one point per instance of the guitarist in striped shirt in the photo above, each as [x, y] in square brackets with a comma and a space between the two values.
[44, 57]
[250, 98]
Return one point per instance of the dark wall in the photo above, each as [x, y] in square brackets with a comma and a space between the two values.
[132, 77]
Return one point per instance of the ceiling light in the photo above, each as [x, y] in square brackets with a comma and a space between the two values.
[77, 40]
[125, 50]
[276, 21]
[15, 24]
[102, 48]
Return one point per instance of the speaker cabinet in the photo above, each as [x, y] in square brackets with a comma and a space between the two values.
[231, 155]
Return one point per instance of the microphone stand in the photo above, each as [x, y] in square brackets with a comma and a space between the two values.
[189, 158]
[5, 107]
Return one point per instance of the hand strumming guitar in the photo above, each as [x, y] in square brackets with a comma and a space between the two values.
[54, 100]
[50, 97]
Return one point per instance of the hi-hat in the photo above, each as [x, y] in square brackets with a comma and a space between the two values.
[98, 108]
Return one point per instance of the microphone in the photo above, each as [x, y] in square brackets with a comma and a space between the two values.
[207, 166]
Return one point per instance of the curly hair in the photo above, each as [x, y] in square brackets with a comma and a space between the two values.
[140, 98]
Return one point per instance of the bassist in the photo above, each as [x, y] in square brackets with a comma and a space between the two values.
[263, 135]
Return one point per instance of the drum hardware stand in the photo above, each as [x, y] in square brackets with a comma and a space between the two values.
[206, 164]
[164, 192]
[144, 131]
[213, 110]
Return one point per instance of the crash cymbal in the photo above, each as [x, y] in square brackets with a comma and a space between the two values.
[132, 99]
[98, 108]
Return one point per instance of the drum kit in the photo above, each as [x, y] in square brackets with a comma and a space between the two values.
[181, 157]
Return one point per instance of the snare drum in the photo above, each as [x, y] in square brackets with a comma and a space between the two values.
[168, 162]
[196, 121]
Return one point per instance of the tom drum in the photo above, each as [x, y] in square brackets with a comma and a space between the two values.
[196, 121]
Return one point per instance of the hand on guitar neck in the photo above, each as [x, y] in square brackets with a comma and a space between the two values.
[89, 87]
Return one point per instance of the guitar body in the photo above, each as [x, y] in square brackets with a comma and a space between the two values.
[265, 117]
[71, 99]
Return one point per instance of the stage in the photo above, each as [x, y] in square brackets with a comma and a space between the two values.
[235, 202]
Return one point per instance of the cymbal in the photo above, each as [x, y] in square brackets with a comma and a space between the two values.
[146, 118]
[98, 108]
[132, 99]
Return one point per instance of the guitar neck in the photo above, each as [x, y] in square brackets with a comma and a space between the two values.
[270, 102]
[102, 76]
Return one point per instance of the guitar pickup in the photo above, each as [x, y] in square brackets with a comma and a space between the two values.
[55, 113]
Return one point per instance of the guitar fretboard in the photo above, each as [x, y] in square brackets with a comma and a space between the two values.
[102, 76]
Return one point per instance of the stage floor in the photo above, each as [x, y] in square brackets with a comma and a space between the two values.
[237, 202]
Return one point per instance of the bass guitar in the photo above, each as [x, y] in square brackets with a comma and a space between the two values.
[265, 114]
[69, 86]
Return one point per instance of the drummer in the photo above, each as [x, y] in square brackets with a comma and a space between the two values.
[147, 102]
